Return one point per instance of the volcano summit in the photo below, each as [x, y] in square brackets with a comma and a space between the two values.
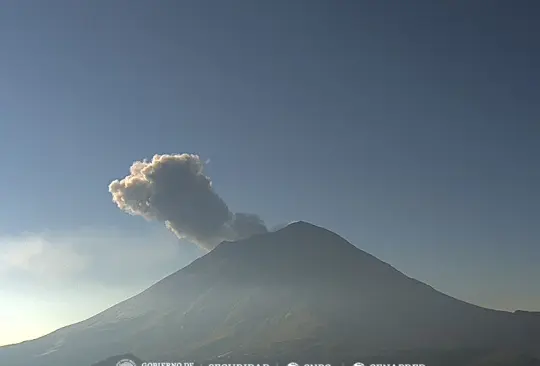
[299, 293]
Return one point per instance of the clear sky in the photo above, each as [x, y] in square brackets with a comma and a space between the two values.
[411, 128]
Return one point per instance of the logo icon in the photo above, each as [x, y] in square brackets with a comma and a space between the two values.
[126, 362]
[358, 364]
[292, 364]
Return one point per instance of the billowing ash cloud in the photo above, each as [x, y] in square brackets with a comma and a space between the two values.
[173, 189]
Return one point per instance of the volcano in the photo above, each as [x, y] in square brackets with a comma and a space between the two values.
[301, 292]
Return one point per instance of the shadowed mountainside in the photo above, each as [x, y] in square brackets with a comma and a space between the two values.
[299, 291]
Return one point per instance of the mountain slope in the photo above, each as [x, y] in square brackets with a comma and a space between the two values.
[299, 289]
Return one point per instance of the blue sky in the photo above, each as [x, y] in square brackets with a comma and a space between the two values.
[410, 128]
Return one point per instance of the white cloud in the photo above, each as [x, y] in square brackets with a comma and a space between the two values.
[36, 255]
[56, 278]
[100, 256]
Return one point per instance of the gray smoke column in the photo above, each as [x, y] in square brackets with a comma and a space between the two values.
[174, 190]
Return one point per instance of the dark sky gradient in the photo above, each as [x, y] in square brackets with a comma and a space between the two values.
[412, 128]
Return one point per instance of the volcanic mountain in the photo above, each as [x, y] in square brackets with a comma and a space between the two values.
[296, 293]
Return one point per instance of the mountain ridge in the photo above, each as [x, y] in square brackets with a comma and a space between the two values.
[302, 285]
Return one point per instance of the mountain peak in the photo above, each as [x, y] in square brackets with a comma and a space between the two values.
[302, 223]
[299, 239]
[301, 286]
[292, 224]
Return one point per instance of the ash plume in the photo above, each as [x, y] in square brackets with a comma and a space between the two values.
[174, 190]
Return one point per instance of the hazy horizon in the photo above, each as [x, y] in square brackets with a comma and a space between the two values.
[409, 129]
